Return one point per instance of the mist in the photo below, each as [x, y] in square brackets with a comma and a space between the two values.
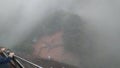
[20, 18]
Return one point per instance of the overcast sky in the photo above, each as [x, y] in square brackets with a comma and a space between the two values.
[18, 18]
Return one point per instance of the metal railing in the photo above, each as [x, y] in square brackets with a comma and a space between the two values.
[16, 63]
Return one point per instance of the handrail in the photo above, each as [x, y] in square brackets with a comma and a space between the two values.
[28, 61]
[15, 57]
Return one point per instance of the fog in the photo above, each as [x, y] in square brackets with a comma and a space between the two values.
[20, 18]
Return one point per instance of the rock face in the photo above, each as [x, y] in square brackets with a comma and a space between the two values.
[48, 45]
[59, 38]
[51, 48]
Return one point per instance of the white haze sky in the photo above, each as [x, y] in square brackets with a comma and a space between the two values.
[18, 18]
